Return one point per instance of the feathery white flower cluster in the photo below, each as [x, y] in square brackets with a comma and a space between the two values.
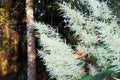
[100, 38]
[57, 55]
[99, 9]
[78, 19]
[93, 31]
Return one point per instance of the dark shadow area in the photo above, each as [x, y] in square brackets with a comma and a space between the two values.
[14, 41]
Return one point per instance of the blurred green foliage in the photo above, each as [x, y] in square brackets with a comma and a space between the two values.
[87, 77]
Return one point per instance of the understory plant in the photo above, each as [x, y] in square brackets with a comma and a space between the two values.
[99, 39]
[57, 55]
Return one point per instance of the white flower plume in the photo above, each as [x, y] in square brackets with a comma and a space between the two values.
[100, 38]
[93, 31]
[99, 9]
[57, 55]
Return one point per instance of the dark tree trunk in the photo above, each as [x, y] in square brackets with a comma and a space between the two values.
[31, 70]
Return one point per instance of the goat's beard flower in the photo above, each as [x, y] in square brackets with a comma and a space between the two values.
[57, 55]
[98, 38]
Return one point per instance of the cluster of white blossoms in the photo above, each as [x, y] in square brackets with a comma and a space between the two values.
[99, 9]
[94, 31]
[57, 55]
[100, 38]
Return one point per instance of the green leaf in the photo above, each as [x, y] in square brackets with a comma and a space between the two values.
[99, 76]
[80, 63]
[87, 77]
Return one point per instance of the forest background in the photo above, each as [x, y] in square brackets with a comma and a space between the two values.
[13, 40]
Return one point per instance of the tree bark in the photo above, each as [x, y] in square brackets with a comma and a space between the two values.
[31, 70]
